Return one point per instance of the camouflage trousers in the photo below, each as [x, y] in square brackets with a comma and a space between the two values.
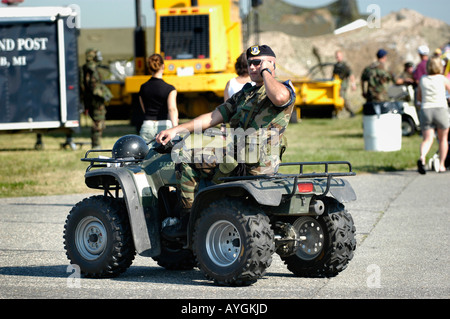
[188, 178]
[212, 163]
[97, 112]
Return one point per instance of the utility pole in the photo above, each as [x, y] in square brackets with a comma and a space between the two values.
[255, 5]
[140, 50]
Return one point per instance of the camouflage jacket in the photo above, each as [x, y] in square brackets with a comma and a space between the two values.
[377, 79]
[91, 83]
[251, 113]
[343, 71]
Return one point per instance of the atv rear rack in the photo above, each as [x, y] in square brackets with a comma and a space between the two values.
[300, 175]
[101, 162]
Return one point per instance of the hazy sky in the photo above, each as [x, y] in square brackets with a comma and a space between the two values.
[438, 9]
[121, 13]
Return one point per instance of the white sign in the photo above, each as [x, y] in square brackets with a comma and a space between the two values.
[21, 44]
[186, 71]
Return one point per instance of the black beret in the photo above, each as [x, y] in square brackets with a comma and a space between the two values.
[258, 50]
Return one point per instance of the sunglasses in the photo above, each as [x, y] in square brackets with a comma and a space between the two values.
[255, 62]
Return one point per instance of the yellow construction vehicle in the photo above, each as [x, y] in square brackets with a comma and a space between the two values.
[318, 92]
[200, 41]
[318, 97]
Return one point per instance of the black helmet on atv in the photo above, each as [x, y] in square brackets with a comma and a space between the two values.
[130, 146]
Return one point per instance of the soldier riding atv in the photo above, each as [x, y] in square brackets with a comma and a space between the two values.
[234, 227]
[219, 204]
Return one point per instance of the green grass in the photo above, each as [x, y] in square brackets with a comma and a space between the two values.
[53, 171]
[342, 140]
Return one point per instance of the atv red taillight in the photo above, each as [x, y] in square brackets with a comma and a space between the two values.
[305, 187]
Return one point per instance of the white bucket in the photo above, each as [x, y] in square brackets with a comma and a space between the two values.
[382, 133]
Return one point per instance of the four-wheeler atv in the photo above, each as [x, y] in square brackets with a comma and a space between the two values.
[403, 97]
[234, 227]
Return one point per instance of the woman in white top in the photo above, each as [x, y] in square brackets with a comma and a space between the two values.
[433, 112]
[236, 84]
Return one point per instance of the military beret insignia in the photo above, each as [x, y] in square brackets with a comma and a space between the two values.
[254, 50]
[260, 50]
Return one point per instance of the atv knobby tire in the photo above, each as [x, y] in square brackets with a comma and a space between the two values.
[97, 237]
[233, 242]
[328, 248]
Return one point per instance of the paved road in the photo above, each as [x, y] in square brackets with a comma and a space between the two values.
[402, 222]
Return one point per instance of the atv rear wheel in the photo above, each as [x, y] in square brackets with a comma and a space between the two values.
[97, 237]
[233, 243]
[328, 247]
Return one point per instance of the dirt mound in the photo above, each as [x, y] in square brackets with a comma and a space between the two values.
[276, 15]
[400, 33]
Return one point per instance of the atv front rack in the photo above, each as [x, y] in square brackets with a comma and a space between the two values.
[301, 175]
[101, 162]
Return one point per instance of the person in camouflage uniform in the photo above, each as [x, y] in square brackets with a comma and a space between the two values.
[375, 79]
[343, 71]
[95, 95]
[258, 113]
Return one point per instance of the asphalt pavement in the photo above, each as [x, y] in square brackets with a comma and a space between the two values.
[402, 225]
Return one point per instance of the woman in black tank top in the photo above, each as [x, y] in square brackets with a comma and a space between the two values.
[158, 100]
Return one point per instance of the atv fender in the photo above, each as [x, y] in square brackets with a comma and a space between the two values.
[268, 194]
[340, 189]
[264, 192]
[144, 220]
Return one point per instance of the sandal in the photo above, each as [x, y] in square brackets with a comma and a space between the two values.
[421, 167]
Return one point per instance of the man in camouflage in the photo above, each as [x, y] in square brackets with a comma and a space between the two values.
[343, 71]
[375, 79]
[95, 95]
[258, 113]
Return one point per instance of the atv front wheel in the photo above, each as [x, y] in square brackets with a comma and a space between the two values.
[233, 243]
[327, 246]
[97, 237]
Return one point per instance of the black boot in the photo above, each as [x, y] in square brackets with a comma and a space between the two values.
[179, 230]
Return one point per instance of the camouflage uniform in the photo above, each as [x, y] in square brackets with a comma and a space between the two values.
[343, 71]
[251, 111]
[94, 95]
[377, 79]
